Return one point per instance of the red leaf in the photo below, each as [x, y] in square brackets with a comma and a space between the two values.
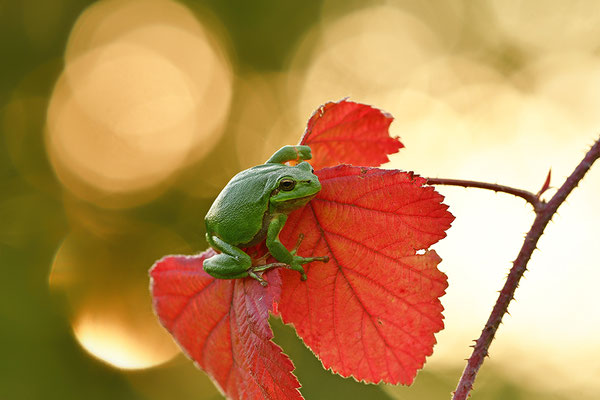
[349, 133]
[372, 310]
[222, 325]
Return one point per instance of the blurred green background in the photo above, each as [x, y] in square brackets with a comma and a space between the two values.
[120, 121]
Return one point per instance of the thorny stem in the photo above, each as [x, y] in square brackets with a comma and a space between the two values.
[544, 213]
[531, 198]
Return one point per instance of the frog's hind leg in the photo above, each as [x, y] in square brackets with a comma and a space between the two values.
[231, 263]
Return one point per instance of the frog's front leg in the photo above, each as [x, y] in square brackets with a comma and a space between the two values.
[231, 263]
[290, 153]
[281, 253]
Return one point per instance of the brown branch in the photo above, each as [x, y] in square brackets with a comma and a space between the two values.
[531, 198]
[544, 213]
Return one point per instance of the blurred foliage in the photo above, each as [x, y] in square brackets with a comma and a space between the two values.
[41, 358]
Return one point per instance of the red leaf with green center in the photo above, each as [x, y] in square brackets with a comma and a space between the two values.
[373, 309]
[349, 133]
[222, 325]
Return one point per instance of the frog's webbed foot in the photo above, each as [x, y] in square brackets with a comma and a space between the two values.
[258, 277]
[310, 259]
[266, 267]
[258, 271]
[299, 261]
[298, 242]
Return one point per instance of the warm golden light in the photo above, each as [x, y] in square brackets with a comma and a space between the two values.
[549, 25]
[117, 341]
[363, 55]
[121, 141]
[144, 92]
[262, 124]
[103, 275]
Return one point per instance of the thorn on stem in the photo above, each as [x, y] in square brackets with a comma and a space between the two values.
[546, 184]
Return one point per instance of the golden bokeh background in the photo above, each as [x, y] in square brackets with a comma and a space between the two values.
[121, 120]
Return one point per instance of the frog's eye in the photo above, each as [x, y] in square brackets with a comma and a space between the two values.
[287, 184]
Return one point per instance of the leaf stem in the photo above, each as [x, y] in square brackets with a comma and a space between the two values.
[530, 197]
[544, 213]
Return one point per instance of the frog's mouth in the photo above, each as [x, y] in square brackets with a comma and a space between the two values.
[302, 201]
[293, 204]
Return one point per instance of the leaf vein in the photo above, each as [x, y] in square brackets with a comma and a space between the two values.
[340, 271]
[408, 266]
[249, 371]
[190, 300]
[334, 284]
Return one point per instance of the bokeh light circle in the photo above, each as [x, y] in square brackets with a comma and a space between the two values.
[115, 341]
[362, 55]
[543, 26]
[136, 102]
[103, 276]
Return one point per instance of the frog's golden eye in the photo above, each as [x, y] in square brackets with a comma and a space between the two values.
[287, 184]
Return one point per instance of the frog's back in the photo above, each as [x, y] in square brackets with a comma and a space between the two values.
[236, 215]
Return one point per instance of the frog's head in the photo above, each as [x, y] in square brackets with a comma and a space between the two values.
[295, 187]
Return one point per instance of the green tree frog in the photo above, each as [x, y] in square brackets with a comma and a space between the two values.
[254, 206]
